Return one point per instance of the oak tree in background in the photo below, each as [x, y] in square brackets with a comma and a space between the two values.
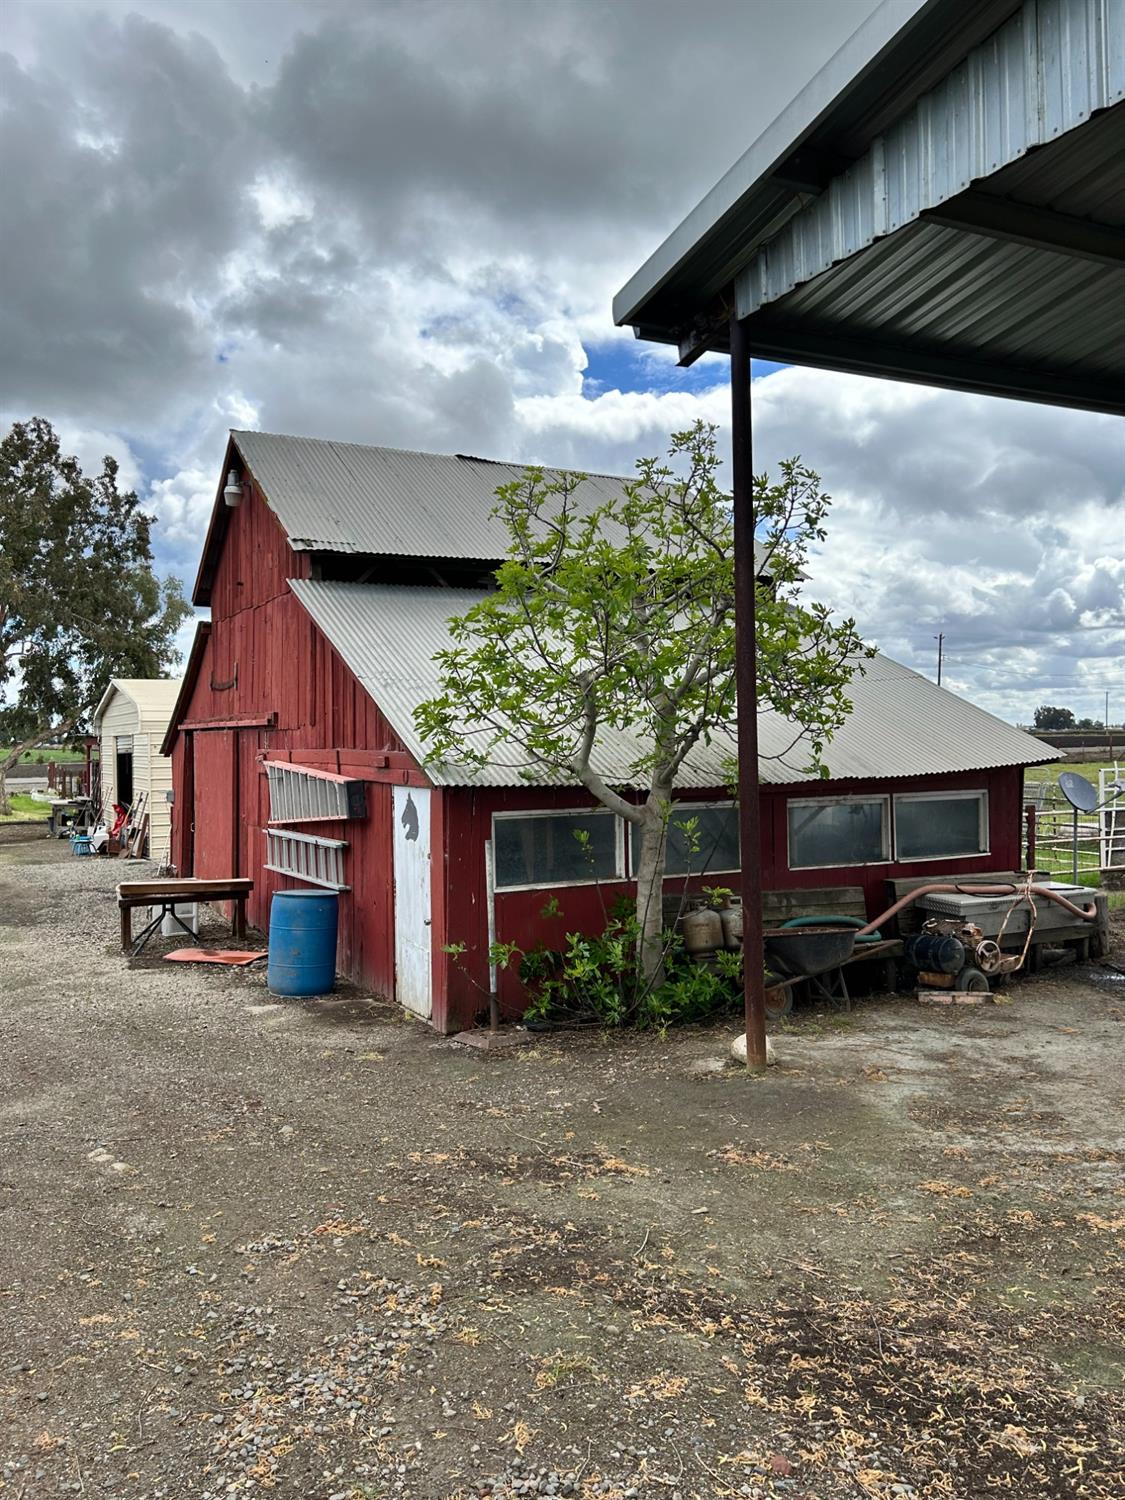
[621, 617]
[79, 600]
[1049, 717]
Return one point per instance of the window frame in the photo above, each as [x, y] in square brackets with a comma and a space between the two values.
[883, 798]
[678, 806]
[950, 794]
[565, 812]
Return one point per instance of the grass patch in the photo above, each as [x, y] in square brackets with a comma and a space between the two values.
[41, 757]
[1087, 768]
[24, 807]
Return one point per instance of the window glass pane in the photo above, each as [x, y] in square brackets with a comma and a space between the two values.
[711, 846]
[836, 833]
[928, 827]
[544, 851]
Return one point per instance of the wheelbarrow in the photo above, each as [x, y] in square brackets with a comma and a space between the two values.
[813, 954]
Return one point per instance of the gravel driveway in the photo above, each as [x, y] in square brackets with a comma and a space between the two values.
[311, 1250]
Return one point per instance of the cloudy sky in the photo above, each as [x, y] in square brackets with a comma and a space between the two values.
[403, 221]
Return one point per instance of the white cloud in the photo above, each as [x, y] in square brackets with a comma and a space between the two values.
[385, 223]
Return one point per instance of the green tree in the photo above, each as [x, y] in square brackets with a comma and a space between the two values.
[620, 616]
[79, 600]
[1047, 717]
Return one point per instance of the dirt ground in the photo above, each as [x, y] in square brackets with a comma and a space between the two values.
[312, 1250]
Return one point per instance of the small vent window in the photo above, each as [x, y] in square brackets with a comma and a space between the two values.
[298, 795]
[305, 857]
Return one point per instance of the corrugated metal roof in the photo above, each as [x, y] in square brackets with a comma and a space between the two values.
[1015, 303]
[348, 497]
[902, 724]
[1041, 75]
[154, 698]
[839, 110]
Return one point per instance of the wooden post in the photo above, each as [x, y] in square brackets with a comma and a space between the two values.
[126, 928]
[746, 677]
[1099, 938]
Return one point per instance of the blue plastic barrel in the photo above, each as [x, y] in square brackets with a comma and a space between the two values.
[302, 957]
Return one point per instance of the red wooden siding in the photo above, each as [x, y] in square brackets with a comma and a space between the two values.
[216, 799]
[1005, 795]
[468, 824]
[266, 658]
[257, 561]
[183, 783]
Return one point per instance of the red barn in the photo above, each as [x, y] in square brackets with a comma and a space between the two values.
[331, 570]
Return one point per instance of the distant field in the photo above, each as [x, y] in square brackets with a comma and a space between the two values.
[1054, 844]
[43, 756]
[1089, 769]
[24, 808]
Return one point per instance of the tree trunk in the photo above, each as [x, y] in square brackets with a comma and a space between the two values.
[651, 861]
[11, 759]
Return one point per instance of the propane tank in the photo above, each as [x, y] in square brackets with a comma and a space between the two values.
[703, 931]
[936, 952]
[731, 917]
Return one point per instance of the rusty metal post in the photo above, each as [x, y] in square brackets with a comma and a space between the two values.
[1029, 812]
[746, 678]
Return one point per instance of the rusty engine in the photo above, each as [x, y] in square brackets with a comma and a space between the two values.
[951, 954]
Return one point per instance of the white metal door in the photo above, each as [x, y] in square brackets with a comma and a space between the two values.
[412, 898]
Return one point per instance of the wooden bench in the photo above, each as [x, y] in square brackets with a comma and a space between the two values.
[167, 895]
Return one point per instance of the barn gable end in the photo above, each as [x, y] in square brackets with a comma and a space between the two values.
[264, 683]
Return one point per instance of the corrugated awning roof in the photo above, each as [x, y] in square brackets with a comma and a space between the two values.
[902, 724]
[944, 202]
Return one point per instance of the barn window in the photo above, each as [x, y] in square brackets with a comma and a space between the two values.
[830, 831]
[941, 825]
[709, 847]
[316, 861]
[540, 849]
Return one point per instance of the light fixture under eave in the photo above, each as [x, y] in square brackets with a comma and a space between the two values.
[232, 490]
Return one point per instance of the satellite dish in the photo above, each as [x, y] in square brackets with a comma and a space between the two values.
[1079, 792]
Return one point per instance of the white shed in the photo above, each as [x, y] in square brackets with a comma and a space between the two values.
[131, 721]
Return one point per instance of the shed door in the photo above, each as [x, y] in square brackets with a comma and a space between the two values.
[215, 812]
[412, 898]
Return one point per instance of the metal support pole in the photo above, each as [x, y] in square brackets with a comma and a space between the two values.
[1029, 811]
[1075, 846]
[746, 678]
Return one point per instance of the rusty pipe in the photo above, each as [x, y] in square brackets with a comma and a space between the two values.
[1087, 914]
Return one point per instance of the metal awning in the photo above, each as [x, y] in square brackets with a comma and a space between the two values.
[944, 203]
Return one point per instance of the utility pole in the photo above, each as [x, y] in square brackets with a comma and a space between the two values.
[939, 639]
